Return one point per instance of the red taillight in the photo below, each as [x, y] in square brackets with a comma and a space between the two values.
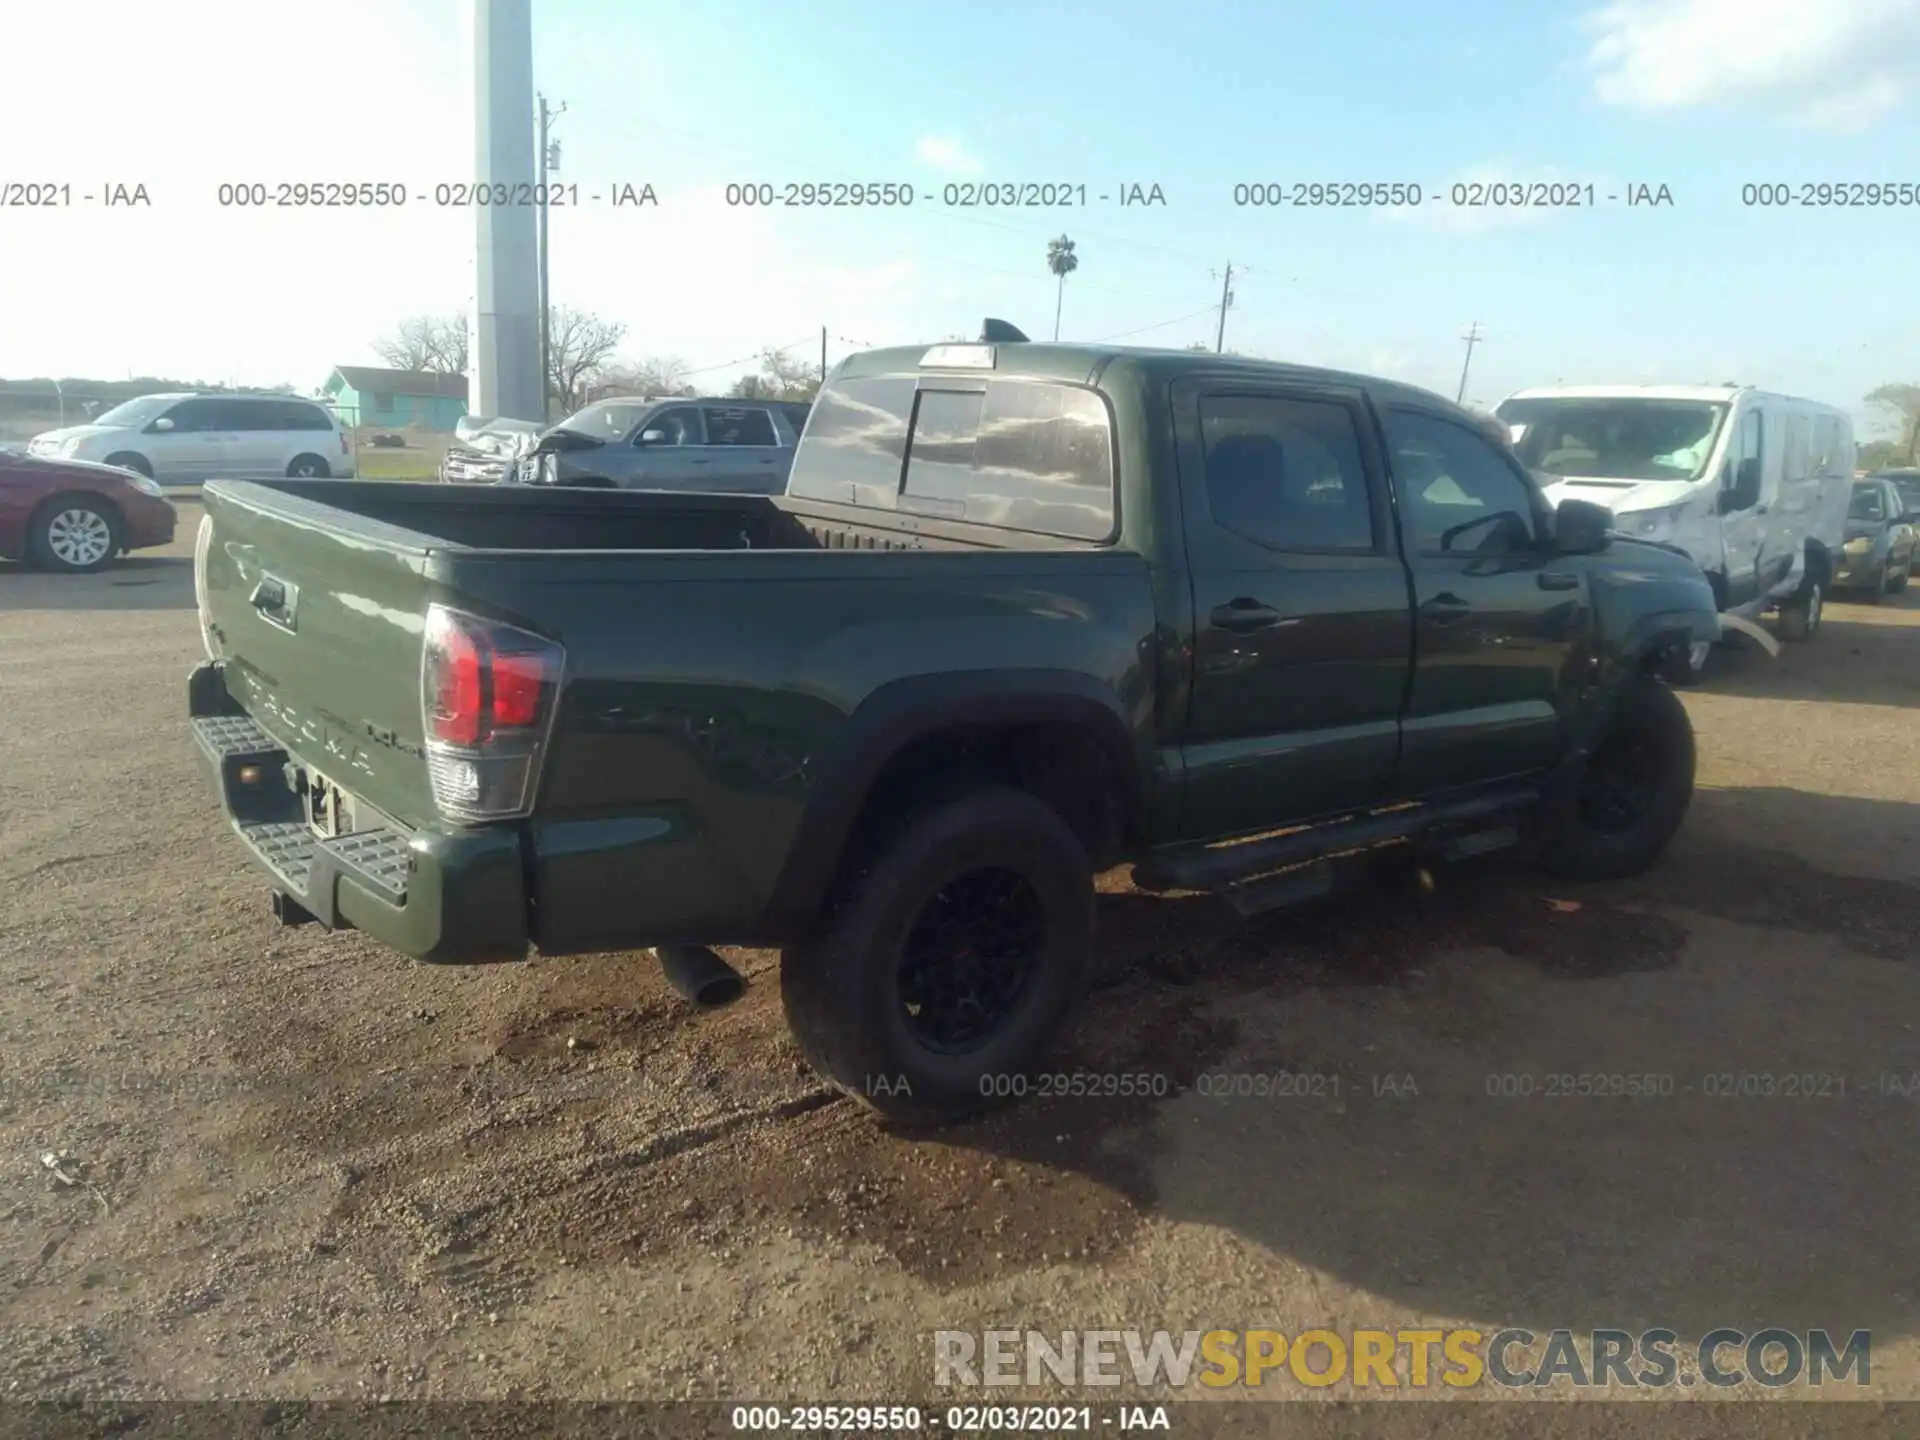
[454, 666]
[487, 694]
[519, 682]
[483, 680]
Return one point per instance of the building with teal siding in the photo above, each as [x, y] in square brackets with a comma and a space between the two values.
[364, 395]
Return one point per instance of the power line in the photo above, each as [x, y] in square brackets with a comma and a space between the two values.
[1206, 309]
[745, 359]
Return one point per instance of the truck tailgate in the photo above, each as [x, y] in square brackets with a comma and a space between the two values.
[319, 616]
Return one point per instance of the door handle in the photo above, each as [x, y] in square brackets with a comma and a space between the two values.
[1244, 614]
[1445, 608]
[1558, 580]
[274, 598]
[698, 460]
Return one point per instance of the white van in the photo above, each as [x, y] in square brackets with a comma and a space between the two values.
[1754, 486]
[185, 439]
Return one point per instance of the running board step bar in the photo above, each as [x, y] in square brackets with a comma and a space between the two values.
[1474, 825]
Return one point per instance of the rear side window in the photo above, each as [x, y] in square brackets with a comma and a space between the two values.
[277, 415]
[1018, 455]
[1286, 473]
[739, 426]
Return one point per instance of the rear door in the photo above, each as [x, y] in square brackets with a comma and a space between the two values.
[1789, 513]
[1303, 634]
[1496, 614]
[745, 453]
[259, 450]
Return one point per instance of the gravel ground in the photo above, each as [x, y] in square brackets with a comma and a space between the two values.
[310, 1168]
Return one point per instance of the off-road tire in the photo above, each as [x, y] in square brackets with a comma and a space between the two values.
[840, 986]
[1800, 616]
[1646, 713]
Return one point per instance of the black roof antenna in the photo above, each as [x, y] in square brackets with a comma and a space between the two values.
[999, 331]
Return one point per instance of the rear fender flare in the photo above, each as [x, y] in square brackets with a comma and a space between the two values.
[905, 711]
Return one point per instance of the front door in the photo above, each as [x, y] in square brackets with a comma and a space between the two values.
[189, 449]
[675, 458]
[1495, 611]
[1302, 630]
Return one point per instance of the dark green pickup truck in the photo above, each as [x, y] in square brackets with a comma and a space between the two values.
[1025, 612]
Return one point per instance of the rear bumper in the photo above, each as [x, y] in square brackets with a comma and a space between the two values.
[450, 896]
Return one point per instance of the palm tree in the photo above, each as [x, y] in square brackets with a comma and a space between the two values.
[1062, 262]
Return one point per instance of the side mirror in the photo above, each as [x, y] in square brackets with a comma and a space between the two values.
[1581, 527]
[653, 437]
[161, 426]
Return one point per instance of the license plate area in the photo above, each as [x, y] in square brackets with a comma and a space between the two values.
[329, 809]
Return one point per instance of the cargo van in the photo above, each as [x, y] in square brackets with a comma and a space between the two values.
[1754, 486]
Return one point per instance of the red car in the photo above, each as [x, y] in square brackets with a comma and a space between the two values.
[76, 516]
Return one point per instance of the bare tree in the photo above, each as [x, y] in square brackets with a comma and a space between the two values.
[579, 345]
[659, 375]
[1902, 403]
[781, 377]
[436, 343]
[1062, 262]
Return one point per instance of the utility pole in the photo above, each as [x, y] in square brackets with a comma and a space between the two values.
[549, 161]
[823, 357]
[1472, 337]
[1226, 299]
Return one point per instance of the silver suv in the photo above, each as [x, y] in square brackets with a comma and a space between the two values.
[185, 439]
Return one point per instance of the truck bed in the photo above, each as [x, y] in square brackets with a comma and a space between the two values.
[519, 519]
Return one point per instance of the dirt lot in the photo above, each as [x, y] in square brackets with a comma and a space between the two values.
[314, 1169]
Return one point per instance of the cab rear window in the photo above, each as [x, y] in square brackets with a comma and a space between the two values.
[1024, 455]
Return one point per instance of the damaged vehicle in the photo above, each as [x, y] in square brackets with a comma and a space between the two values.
[1753, 485]
[483, 451]
[1024, 612]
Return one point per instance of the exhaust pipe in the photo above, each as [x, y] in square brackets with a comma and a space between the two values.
[700, 975]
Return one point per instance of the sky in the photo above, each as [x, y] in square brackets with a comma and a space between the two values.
[1701, 97]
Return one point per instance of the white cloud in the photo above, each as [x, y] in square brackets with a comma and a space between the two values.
[946, 154]
[1834, 64]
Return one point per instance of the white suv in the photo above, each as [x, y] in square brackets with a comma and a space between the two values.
[185, 439]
